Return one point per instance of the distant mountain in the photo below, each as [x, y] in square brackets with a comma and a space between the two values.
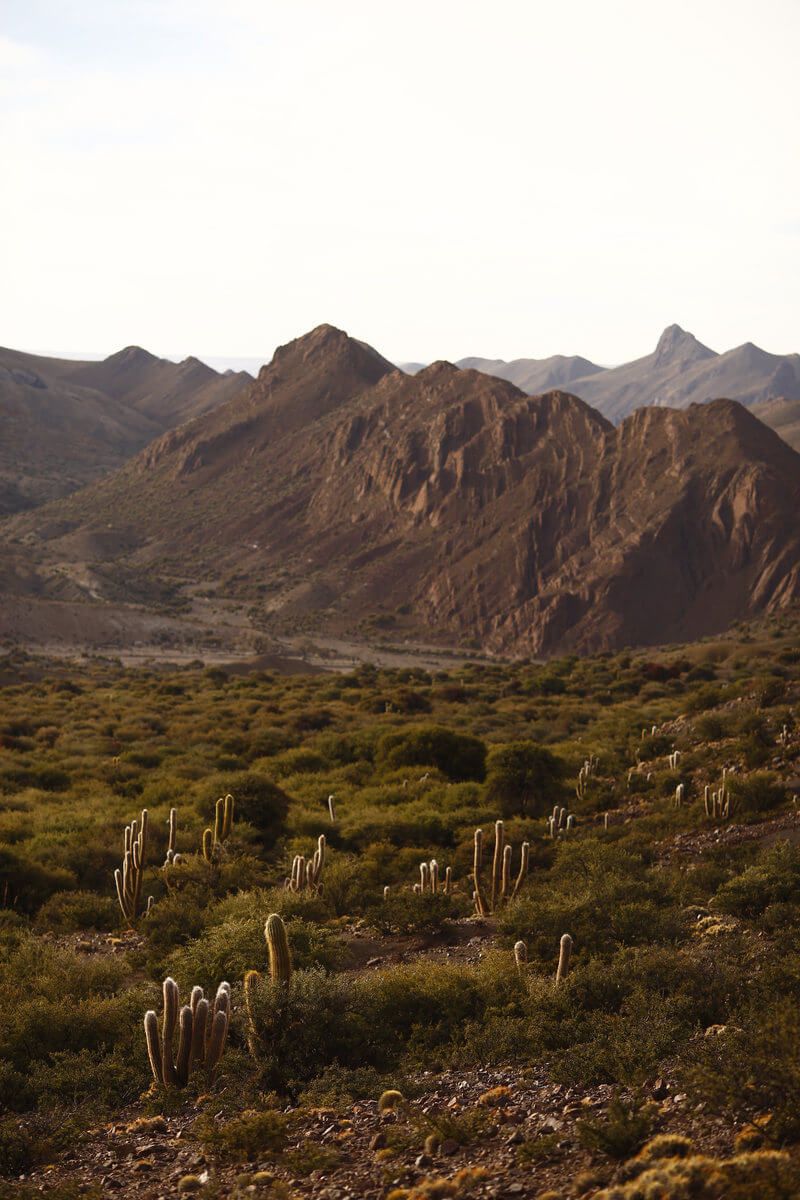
[783, 416]
[65, 423]
[338, 492]
[534, 375]
[680, 371]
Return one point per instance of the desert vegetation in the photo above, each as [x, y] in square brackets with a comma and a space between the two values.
[551, 910]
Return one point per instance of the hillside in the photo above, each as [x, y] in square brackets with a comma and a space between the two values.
[539, 938]
[338, 493]
[680, 371]
[64, 423]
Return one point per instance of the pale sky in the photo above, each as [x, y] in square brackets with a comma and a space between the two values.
[440, 178]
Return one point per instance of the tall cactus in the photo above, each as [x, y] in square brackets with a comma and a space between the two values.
[129, 880]
[280, 958]
[223, 823]
[477, 866]
[497, 864]
[564, 956]
[501, 889]
[307, 872]
[200, 1042]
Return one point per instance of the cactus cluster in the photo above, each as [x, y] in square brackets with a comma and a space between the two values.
[673, 759]
[223, 822]
[653, 731]
[589, 768]
[502, 887]
[718, 802]
[307, 872]
[560, 821]
[202, 1033]
[430, 881]
[129, 879]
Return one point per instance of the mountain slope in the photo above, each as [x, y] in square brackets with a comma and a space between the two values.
[448, 504]
[64, 424]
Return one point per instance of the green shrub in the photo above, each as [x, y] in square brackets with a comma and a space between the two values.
[757, 793]
[524, 779]
[72, 911]
[457, 755]
[258, 800]
[624, 1128]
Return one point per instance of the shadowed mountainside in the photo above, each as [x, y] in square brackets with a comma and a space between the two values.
[449, 504]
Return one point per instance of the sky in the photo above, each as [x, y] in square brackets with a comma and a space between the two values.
[441, 179]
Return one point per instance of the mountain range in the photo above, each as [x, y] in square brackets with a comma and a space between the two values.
[679, 372]
[337, 493]
[65, 423]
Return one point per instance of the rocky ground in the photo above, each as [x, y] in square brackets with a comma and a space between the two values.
[523, 1141]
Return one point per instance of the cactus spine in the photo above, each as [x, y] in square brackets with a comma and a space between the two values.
[564, 956]
[193, 1045]
[129, 880]
[280, 959]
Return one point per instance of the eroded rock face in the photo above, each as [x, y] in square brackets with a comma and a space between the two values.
[529, 523]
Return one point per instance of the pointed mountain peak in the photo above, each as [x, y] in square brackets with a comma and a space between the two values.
[131, 356]
[676, 346]
[329, 348]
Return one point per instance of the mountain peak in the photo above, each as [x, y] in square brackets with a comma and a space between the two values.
[131, 356]
[676, 345]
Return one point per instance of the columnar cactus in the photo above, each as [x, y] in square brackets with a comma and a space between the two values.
[200, 1041]
[497, 863]
[680, 795]
[521, 958]
[564, 956]
[307, 873]
[477, 865]
[331, 809]
[280, 958]
[173, 837]
[719, 804]
[560, 822]
[431, 879]
[129, 880]
[223, 823]
[502, 889]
